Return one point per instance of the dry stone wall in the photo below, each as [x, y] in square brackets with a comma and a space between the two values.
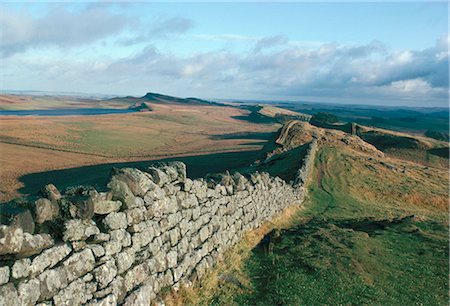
[151, 230]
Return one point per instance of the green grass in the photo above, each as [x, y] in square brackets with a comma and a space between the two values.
[351, 248]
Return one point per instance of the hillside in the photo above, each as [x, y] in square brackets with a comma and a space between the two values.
[373, 224]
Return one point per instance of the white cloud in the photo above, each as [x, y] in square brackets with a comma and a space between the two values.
[59, 27]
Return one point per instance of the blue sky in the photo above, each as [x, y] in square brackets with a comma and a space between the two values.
[376, 53]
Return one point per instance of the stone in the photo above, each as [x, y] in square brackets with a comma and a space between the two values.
[172, 259]
[51, 281]
[171, 172]
[158, 176]
[112, 247]
[79, 264]
[24, 219]
[4, 275]
[45, 210]
[160, 262]
[180, 168]
[11, 239]
[78, 245]
[34, 244]
[239, 181]
[85, 205]
[120, 191]
[121, 236]
[135, 215]
[142, 296]
[97, 250]
[77, 293]
[21, 268]
[136, 180]
[29, 292]
[153, 195]
[104, 207]
[109, 300]
[187, 184]
[174, 236]
[8, 295]
[49, 258]
[141, 239]
[105, 273]
[116, 220]
[125, 260]
[101, 237]
[51, 192]
[78, 229]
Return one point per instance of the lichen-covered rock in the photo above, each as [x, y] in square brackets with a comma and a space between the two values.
[11, 239]
[158, 176]
[120, 191]
[51, 281]
[135, 215]
[77, 293]
[172, 259]
[8, 295]
[125, 260]
[24, 219]
[109, 300]
[21, 268]
[180, 168]
[51, 192]
[105, 273]
[78, 229]
[116, 220]
[4, 275]
[141, 296]
[79, 264]
[34, 244]
[97, 250]
[29, 292]
[204, 233]
[239, 181]
[136, 180]
[45, 210]
[49, 258]
[103, 207]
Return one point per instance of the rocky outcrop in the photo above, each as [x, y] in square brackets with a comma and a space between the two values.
[152, 229]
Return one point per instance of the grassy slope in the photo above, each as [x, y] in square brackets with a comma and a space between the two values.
[350, 245]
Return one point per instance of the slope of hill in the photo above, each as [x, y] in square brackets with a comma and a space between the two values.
[164, 99]
[372, 227]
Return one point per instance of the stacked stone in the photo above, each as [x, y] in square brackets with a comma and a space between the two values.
[308, 163]
[151, 230]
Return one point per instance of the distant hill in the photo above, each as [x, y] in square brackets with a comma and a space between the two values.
[164, 99]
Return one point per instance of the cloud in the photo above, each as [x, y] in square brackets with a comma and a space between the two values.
[329, 71]
[162, 28]
[268, 42]
[59, 27]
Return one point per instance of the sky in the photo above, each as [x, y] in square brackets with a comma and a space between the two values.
[387, 53]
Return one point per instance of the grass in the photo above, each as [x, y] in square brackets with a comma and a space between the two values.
[359, 240]
[51, 143]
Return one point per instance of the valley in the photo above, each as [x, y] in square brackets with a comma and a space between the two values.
[170, 129]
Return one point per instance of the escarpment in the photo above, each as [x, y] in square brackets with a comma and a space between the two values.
[152, 229]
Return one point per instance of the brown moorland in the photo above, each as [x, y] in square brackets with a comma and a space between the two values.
[34, 144]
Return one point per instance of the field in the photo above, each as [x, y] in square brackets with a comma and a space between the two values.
[369, 234]
[36, 144]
